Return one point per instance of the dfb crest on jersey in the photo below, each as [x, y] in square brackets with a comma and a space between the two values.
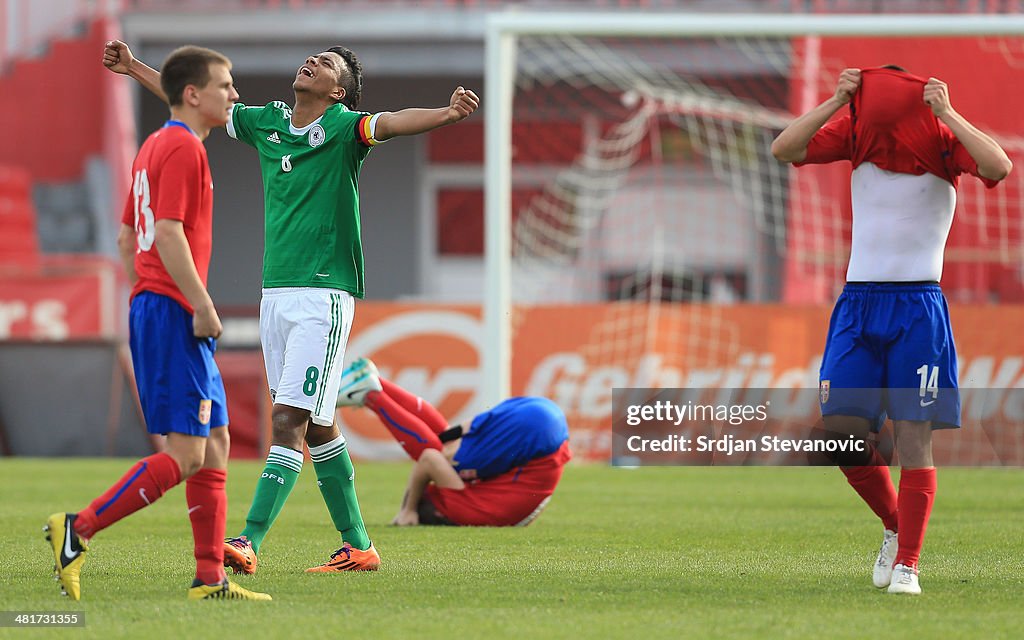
[823, 389]
[316, 136]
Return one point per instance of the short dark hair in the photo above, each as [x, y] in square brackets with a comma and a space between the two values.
[188, 65]
[894, 67]
[352, 79]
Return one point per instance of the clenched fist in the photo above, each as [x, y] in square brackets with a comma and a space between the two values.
[849, 81]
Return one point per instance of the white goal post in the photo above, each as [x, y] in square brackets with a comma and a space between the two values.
[504, 32]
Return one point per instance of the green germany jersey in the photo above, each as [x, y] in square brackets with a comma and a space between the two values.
[311, 193]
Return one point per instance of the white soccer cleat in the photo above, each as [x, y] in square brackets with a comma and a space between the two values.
[904, 580]
[360, 378]
[882, 573]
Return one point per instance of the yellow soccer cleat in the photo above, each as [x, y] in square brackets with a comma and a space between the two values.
[226, 590]
[68, 552]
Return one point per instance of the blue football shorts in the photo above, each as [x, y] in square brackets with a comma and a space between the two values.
[179, 384]
[890, 353]
[511, 434]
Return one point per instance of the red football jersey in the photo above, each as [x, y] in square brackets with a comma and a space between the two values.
[890, 126]
[509, 499]
[170, 180]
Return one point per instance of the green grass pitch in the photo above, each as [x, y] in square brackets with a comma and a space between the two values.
[644, 553]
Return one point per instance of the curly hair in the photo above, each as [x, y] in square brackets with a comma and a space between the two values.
[352, 81]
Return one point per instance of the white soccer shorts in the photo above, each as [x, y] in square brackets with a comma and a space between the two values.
[304, 332]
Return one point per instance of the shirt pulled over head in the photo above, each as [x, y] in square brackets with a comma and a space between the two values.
[890, 126]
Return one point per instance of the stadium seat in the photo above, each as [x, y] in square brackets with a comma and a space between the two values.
[19, 243]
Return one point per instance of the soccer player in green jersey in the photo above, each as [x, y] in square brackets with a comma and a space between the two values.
[310, 156]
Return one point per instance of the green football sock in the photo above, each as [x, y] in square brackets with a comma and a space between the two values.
[337, 480]
[272, 490]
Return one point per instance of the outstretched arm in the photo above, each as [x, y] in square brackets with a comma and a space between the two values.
[791, 144]
[993, 163]
[409, 122]
[431, 467]
[118, 58]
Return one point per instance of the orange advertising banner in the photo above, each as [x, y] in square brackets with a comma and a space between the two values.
[576, 355]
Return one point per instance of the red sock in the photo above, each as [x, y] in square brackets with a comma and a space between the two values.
[917, 493]
[144, 483]
[208, 510]
[874, 485]
[409, 430]
[416, 406]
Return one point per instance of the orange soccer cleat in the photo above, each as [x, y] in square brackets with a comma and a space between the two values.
[239, 555]
[348, 558]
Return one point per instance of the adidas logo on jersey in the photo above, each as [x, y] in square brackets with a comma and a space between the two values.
[274, 138]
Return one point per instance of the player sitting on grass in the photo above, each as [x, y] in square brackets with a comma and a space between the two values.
[498, 471]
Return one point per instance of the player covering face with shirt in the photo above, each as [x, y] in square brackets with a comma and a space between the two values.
[890, 348]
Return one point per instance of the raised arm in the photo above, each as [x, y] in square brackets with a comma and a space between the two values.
[409, 122]
[791, 144]
[118, 58]
[993, 163]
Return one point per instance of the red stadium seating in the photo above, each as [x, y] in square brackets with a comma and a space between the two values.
[19, 244]
[62, 91]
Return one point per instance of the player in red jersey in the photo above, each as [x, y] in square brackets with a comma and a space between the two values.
[890, 348]
[498, 471]
[165, 242]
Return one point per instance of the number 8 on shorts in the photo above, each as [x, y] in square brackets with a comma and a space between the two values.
[304, 331]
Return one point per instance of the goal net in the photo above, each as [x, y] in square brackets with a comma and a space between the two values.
[643, 202]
